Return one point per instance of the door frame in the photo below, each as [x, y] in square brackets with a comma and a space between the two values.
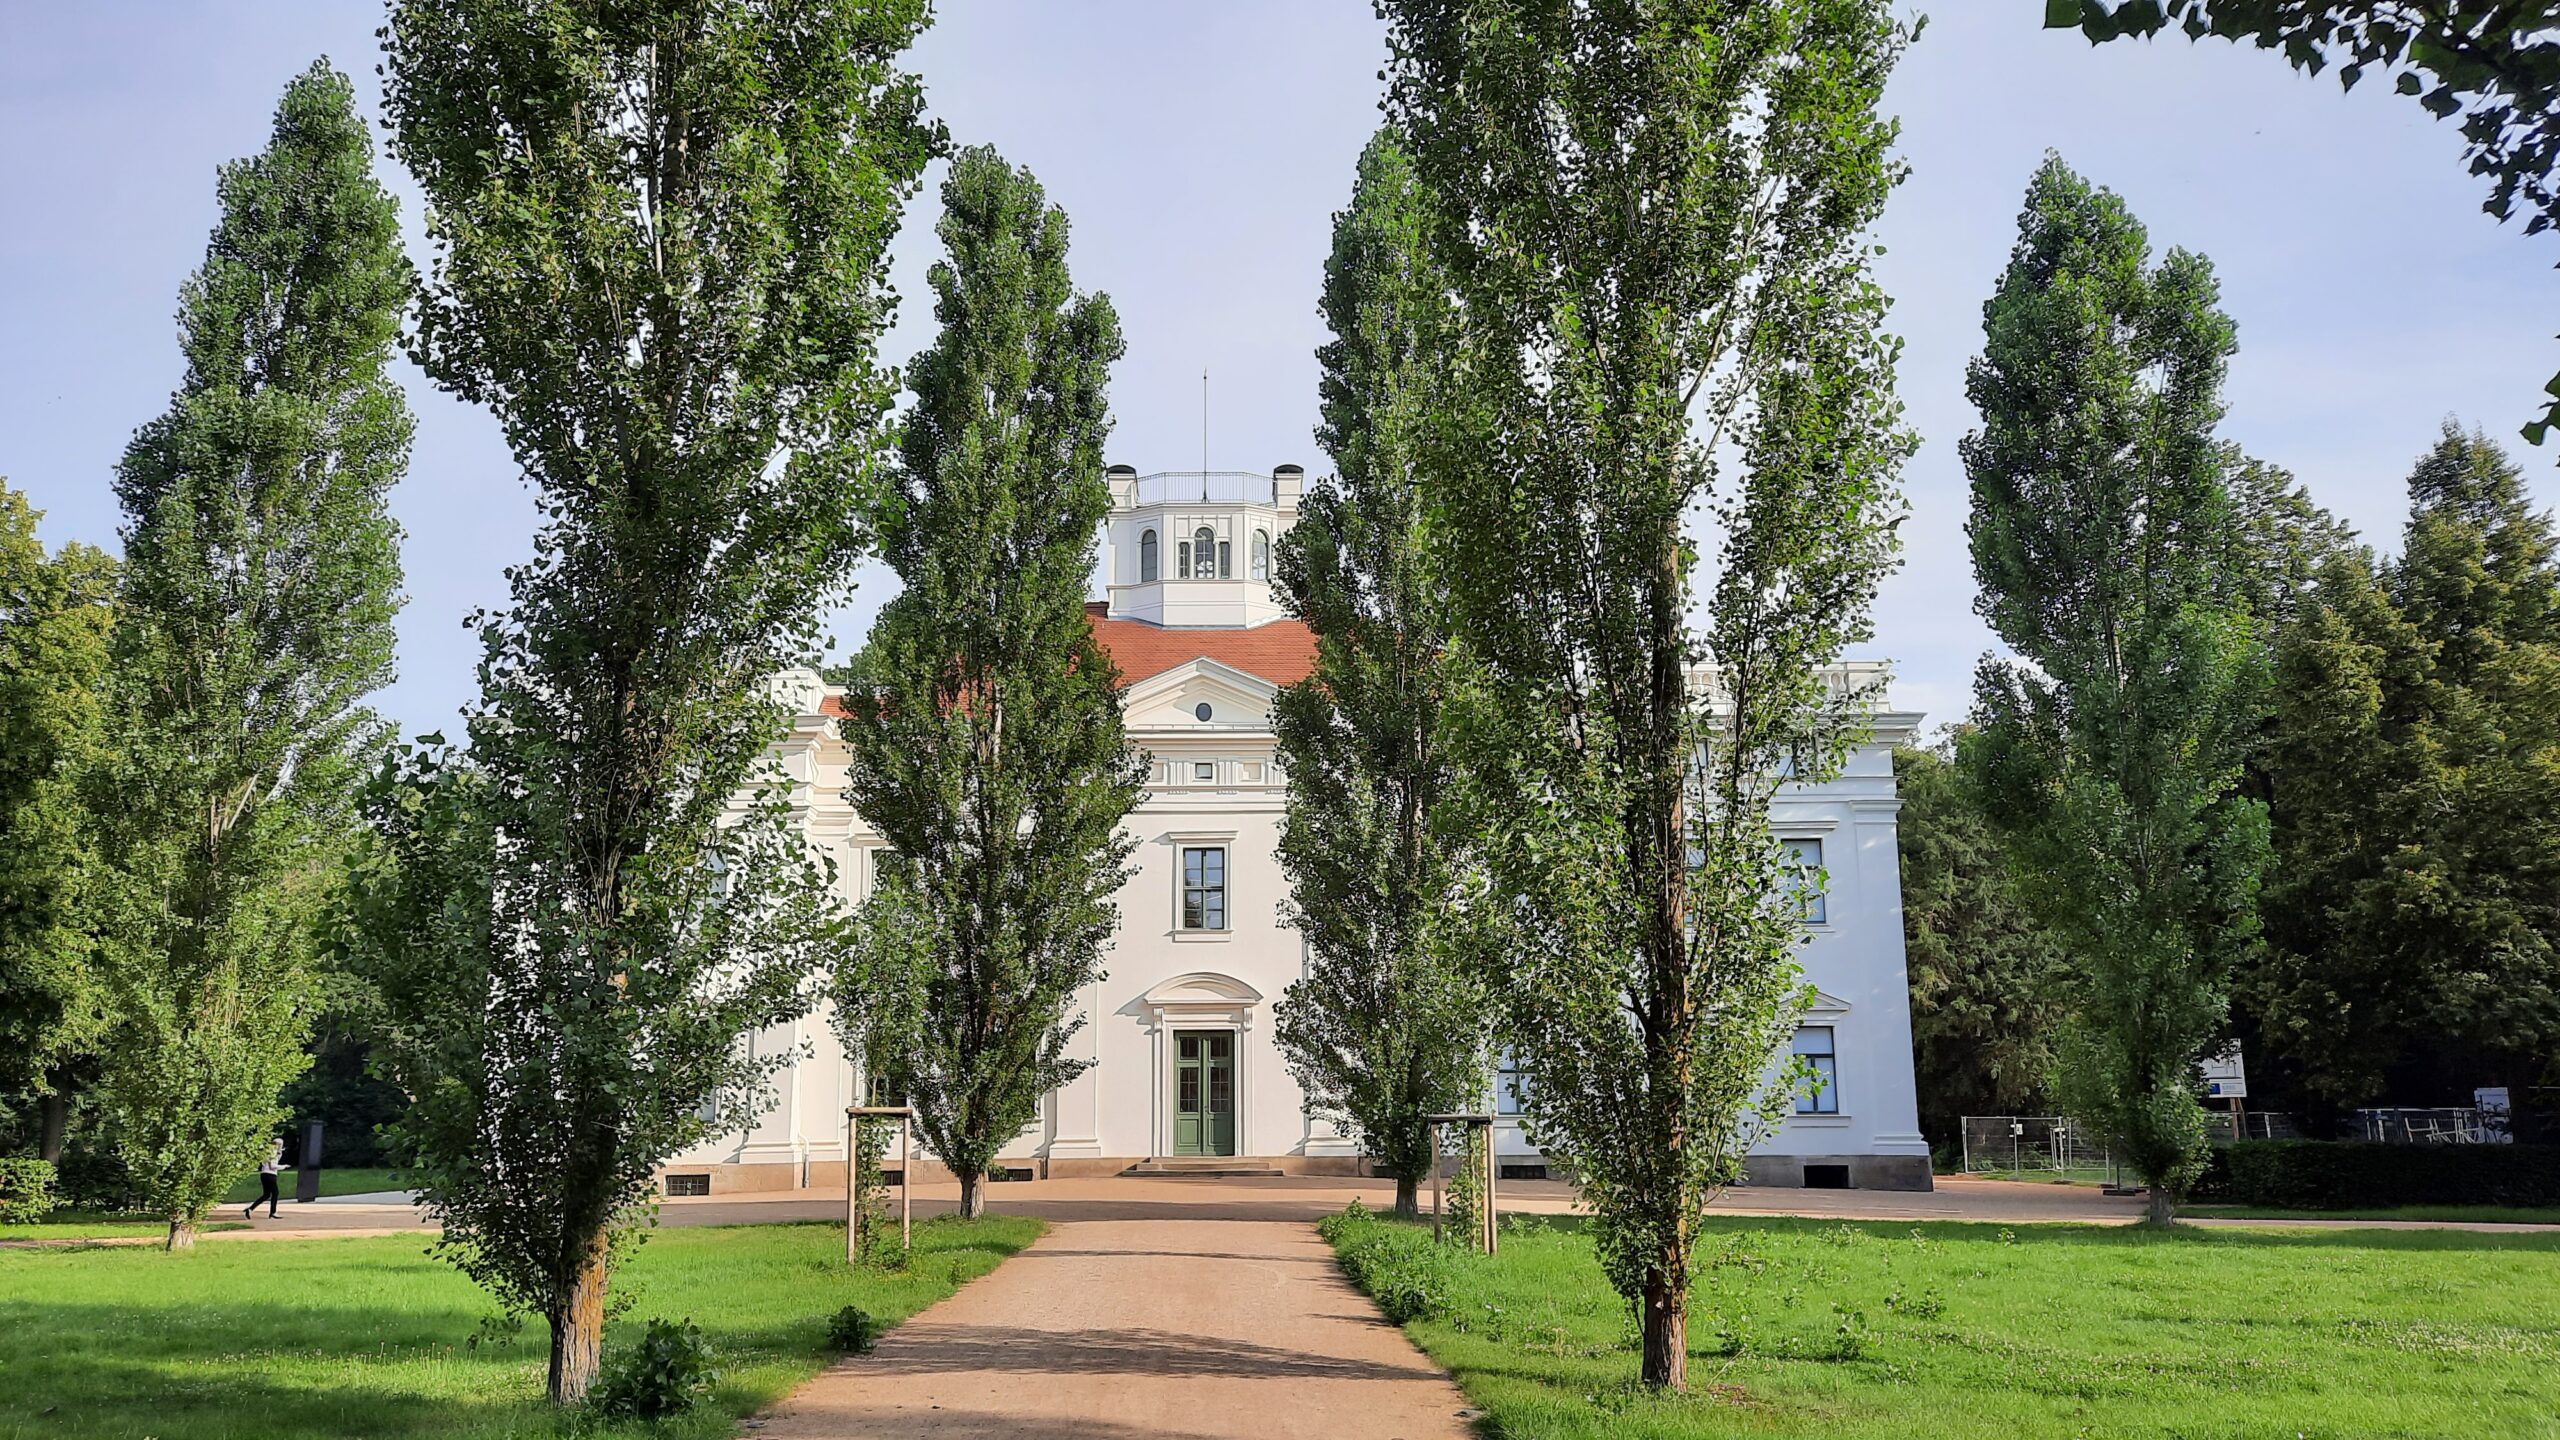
[1199, 1000]
[1235, 1093]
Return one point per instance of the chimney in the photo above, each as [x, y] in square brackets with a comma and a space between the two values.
[1288, 482]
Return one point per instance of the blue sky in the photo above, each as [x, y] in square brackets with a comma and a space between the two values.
[1201, 149]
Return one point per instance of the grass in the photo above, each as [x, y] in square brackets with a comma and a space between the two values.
[375, 1337]
[354, 1181]
[2448, 1214]
[1896, 1331]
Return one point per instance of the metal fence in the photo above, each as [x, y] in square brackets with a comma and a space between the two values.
[2253, 1125]
[2442, 1125]
[2042, 1147]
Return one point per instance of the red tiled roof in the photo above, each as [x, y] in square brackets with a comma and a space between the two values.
[1282, 652]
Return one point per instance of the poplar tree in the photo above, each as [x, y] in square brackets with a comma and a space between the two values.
[1654, 217]
[1388, 1024]
[2103, 536]
[985, 728]
[55, 616]
[260, 581]
[661, 235]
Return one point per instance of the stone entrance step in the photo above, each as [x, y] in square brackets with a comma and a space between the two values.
[1202, 1166]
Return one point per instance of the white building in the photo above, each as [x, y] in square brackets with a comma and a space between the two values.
[1184, 1068]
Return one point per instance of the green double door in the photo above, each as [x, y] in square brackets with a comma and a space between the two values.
[1204, 1092]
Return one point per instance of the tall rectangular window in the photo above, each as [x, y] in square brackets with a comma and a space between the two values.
[1821, 1092]
[1807, 882]
[1510, 1085]
[1204, 887]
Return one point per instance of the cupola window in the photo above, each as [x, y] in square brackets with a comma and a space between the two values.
[1204, 554]
[1261, 554]
[1147, 558]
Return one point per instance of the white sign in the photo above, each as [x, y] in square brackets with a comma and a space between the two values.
[2225, 1078]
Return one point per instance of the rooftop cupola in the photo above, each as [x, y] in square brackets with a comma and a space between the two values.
[1193, 548]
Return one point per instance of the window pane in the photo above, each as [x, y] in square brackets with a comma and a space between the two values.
[1226, 560]
[1182, 560]
[1147, 556]
[1813, 1040]
[1807, 884]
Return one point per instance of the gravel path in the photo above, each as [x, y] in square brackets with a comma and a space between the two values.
[1116, 1329]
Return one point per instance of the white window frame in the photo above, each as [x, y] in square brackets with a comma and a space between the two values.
[1814, 890]
[1825, 1100]
[1223, 890]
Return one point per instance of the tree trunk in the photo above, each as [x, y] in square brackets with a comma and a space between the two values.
[1666, 1331]
[973, 1195]
[57, 1123]
[1408, 1195]
[577, 1327]
[182, 1234]
[2159, 1207]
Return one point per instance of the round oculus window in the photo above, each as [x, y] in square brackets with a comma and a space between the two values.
[1201, 710]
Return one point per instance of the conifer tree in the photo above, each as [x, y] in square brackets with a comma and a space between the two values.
[55, 614]
[2102, 534]
[1654, 217]
[1388, 1024]
[260, 581]
[661, 234]
[985, 728]
[1985, 1001]
[2414, 770]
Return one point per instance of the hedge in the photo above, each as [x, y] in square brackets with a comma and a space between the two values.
[26, 1191]
[2351, 1175]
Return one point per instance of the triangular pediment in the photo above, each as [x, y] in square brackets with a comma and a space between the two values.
[1172, 700]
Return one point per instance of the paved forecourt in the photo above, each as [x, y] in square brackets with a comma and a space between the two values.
[1117, 1329]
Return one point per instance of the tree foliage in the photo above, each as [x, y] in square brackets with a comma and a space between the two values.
[2414, 775]
[661, 234]
[2111, 760]
[1389, 1023]
[55, 615]
[1985, 972]
[985, 731]
[2494, 63]
[260, 581]
[1653, 216]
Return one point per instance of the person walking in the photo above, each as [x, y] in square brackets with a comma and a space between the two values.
[268, 1169]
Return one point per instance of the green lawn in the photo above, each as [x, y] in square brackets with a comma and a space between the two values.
[332, 1182]
[374, 1337]
[1901, 1332]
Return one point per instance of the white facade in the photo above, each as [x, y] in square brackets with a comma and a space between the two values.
[1203, 950]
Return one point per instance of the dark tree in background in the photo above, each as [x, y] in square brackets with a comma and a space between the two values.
[261, 578]
[2111, 760]
[1655, 217]
[2414, 773]
[1390, 1022]
[1985, 972]
[661, 234]
[985, 729]
[55, 615]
